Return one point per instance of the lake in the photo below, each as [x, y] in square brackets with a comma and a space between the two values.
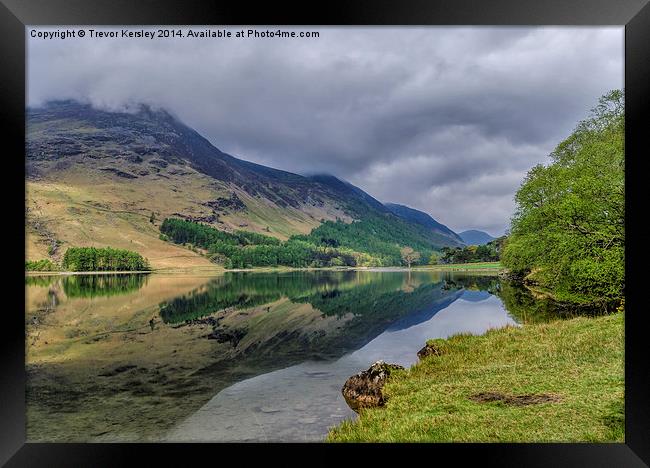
[240, 356]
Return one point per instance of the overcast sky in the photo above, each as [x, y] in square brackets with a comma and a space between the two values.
[445, 120]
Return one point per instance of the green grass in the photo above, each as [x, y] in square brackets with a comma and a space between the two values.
[579, 360]
[41, 265]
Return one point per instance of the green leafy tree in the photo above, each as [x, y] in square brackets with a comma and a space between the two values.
[409, 256]
[434, 258]
[103, 259]
[490, 252]
[568, 231]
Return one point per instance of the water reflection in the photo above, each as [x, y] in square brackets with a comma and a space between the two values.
[91, 285]
[41, 280]
[526, 307]
[182, 357]
[332, 292]
[300, 403]
[102, 285]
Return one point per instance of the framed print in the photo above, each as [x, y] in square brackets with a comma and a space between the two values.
[402, 227]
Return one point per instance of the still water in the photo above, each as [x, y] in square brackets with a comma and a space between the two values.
[234, 357]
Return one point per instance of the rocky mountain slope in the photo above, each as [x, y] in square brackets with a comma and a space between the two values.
[109, 178]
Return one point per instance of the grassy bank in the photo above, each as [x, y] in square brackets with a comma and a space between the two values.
[576, 364]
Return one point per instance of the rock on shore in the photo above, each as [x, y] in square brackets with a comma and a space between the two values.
[363, 390]
[429, 349]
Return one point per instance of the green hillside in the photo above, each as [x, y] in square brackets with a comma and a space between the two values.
[371, 241]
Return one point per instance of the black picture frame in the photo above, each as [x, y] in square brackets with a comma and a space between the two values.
[634, 15]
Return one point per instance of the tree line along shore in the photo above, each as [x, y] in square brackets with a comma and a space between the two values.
[333, 244]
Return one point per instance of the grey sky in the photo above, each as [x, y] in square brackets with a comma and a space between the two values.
[446, 120]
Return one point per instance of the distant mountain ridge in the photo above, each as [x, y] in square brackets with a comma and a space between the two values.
[475, 237]
[424, 219]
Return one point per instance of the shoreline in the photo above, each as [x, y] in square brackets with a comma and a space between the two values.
[471, 267]
[498, 387]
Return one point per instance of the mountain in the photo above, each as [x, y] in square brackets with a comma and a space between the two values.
[137, 141]
[422, 218]
[346, 188]
[474, 237]
[102, 178]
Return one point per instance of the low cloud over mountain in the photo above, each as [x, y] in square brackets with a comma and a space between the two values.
[445, 120]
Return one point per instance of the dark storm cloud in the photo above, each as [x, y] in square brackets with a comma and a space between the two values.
[447, 120]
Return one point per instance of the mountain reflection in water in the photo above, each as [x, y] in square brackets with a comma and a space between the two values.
[239, 356]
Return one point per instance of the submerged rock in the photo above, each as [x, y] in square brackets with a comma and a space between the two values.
[363, 390]
[429, 349]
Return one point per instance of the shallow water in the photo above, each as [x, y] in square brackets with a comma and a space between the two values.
[234, 357]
